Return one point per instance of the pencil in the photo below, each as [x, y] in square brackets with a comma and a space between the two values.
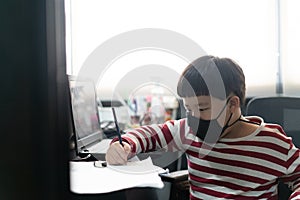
[117, 126]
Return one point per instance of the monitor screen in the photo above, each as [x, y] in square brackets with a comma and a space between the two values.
[85, 113]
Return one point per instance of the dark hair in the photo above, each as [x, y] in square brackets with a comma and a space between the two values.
[209, 75]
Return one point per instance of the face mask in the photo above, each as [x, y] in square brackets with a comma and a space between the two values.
[208, 129]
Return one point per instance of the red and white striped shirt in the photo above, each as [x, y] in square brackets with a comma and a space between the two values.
[240, 168]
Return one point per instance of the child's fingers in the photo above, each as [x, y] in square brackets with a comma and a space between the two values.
[118, 154]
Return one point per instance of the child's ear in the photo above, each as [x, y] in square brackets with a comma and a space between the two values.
[234, 102]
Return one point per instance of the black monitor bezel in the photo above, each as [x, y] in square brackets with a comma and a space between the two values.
[82, 144]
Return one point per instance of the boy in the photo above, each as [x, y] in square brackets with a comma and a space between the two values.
[229, 156]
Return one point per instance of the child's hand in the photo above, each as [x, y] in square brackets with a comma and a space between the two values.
[118, 154]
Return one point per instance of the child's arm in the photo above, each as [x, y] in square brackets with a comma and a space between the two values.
[166, 136]
[293, 172]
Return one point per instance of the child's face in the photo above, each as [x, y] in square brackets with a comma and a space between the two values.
[204, 107]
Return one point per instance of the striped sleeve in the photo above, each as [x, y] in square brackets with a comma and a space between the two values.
[166, 136]
[292, 178]
[292, 165]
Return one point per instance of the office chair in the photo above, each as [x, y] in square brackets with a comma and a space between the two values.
[282, 110]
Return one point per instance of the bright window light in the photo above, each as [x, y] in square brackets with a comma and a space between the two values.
[245, 31]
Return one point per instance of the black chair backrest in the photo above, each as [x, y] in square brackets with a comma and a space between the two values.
[282, 110]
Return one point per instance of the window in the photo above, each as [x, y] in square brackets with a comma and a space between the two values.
[246, 31]
[291, 47]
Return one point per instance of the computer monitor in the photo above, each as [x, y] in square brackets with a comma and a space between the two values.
[84, 107]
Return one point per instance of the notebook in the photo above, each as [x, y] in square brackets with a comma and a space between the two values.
[90, 141]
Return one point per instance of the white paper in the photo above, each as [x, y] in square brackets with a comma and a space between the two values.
[85, 178]
[137, 167]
